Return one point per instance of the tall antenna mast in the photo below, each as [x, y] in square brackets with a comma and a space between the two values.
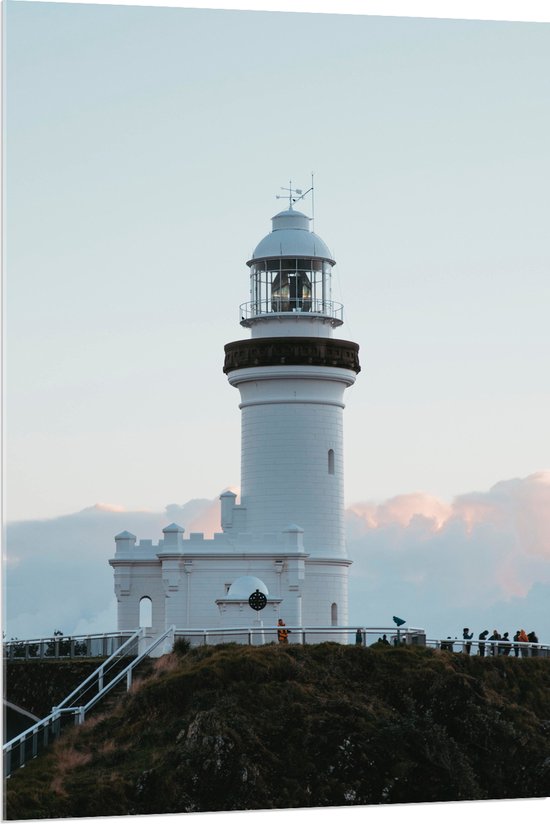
[312, 205]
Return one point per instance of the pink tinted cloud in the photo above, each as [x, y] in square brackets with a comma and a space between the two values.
[497, 541]
[402, 510]
[520, 507]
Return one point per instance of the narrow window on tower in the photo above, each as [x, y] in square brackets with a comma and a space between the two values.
[331, 462]
[334, 615]
[145, 612]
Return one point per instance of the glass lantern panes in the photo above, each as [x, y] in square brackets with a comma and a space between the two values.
[289, 284]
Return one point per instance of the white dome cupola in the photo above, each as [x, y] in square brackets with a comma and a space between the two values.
[290, 275]
[243, 587]
[291, 236]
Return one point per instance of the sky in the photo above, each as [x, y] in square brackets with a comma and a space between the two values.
[144, 149]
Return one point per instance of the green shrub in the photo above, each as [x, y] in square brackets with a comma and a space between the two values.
[182, 646]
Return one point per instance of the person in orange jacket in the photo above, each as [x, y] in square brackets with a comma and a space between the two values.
[522, 636]
[282, 634]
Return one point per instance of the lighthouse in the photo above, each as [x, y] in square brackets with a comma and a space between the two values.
[286, 532]
[292, 373]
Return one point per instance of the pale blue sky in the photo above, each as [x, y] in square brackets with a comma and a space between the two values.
[144, 149]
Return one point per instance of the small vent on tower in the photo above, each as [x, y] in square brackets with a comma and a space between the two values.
[331, 462]
[334, 615]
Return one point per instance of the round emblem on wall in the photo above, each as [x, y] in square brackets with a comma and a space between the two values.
[257, 600]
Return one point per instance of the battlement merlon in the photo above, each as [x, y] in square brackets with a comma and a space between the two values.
[233, 516]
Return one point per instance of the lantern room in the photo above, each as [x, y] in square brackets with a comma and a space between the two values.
[290, 273]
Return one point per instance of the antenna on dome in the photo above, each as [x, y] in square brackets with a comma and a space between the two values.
[295, 195]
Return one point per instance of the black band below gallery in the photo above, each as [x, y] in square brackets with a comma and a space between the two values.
[243, 354]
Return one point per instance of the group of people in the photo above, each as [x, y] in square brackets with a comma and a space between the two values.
[500, 644]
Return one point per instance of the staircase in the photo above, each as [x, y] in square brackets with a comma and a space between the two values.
[116, 672]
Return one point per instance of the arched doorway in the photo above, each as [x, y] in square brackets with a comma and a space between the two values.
[145, 612]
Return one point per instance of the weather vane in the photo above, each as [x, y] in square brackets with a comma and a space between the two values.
[298, 194]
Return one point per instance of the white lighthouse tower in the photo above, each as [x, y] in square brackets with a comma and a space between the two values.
[292, 374]
[287, 532]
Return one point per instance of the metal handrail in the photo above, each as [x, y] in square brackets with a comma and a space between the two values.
[126, 672]
[58, 641]
[403, 635]
[300, 633]
[53, 720]
[491, 648]
[48, 638]
[105, 666]
[305, 306]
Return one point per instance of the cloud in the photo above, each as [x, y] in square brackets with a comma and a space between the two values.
[520, 507]
[56, 571]
[487, 554]
[109, 508]
[482, 559]
[199, 515]
[401, 510]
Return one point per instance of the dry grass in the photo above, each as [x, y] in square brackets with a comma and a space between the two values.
[136, 685]
[167, 663]
[108, 747]
[67, 759]
[95, 719]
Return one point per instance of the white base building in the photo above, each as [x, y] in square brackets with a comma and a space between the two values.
[287, 531]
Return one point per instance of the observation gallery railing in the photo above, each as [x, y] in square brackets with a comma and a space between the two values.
[290, 306]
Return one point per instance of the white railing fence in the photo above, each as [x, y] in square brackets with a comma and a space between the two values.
[361, 636]
[103, 645]
[258, 634]
[489, 649]
[100, 645]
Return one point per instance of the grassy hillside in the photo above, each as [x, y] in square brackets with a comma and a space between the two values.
[230, 727]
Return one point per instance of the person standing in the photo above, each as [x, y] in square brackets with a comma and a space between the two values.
[516, 647]
[482, 636]
[466, 637]
[282, 632]
[523, 639]
[495, 637]
[506, 646]
[534, 640]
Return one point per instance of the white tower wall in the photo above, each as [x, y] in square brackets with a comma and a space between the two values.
[292, 452]
[326, 584]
